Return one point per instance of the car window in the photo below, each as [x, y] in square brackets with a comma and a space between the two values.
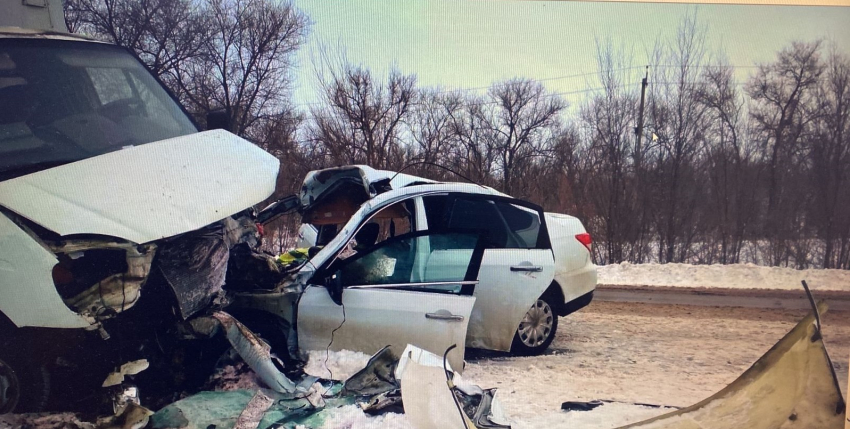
[479, 214]
[395, 220]
[435, 208]
[389, 222]
[522, 222]
[445, 257]
[503, 225]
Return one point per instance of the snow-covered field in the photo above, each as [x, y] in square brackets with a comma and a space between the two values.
[736, 276]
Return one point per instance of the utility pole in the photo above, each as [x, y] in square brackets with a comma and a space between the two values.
[639, 127]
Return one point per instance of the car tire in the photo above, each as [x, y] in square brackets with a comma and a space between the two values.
[24, 388]
[537, 328]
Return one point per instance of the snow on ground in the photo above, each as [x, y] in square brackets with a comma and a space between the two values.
[352, 417]
[335, 365]
[735, 276]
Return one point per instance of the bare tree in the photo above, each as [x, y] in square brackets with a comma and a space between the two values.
[782, 92]
[679, 122]
[246, 61]
[361, 119]
[830, 161]
[609, 151]
[234, 55]
[434, 133]
[523, 120]
[729, 160]
[163, 33]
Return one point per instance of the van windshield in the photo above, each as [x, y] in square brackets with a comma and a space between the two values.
[63, 101]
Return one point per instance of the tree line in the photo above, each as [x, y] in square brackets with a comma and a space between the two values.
[717, 169]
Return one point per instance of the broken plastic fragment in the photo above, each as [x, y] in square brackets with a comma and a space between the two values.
[129, 368]
[376, 377]
[253, 413]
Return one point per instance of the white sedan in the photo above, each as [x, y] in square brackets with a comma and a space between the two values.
[408, 260]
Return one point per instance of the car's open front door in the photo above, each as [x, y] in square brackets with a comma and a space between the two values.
[388, 299]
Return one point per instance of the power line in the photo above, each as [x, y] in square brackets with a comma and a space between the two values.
[547, 79]
[571, 76]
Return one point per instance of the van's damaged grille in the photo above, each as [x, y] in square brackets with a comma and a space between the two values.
[194, 265]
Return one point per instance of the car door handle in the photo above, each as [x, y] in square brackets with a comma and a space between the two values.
[444, 315]
[527, 268]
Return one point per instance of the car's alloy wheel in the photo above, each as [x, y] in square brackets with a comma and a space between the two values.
[10, 391]
[537, 329]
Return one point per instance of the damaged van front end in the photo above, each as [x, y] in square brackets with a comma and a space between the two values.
[73, 258]
[117, 217]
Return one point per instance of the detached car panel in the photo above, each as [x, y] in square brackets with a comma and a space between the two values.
[147, 192]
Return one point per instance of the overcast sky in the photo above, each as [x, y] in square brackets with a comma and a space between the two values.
[470, 44]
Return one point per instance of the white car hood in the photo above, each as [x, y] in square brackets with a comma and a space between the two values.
[147, 192]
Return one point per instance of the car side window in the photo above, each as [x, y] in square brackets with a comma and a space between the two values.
[447, 258]
[479, 214]
[523, 223]
[389, 222]
[503, 225]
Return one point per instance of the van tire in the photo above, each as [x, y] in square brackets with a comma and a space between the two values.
[25, 385]
[24, 375]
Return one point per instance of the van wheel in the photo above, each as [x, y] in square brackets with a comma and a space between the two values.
[23, 388]
[537, 328]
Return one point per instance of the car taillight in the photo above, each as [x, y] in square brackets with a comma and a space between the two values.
[584, 239]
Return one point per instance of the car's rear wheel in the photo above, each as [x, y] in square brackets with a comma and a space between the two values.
[537, 328]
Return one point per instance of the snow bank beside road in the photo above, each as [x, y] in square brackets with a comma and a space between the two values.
[734, 276]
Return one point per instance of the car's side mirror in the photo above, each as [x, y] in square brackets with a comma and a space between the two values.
[218, 120]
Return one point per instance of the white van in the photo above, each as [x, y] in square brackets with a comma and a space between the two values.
[116, 213]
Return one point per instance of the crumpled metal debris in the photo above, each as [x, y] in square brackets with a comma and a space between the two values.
[377, 377]
[376, 389]
[133, 416]
[257, 354]
[793, 386]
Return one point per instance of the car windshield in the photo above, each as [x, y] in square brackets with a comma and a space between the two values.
[63, 101]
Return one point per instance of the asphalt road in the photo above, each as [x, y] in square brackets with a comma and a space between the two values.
[660, 354]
